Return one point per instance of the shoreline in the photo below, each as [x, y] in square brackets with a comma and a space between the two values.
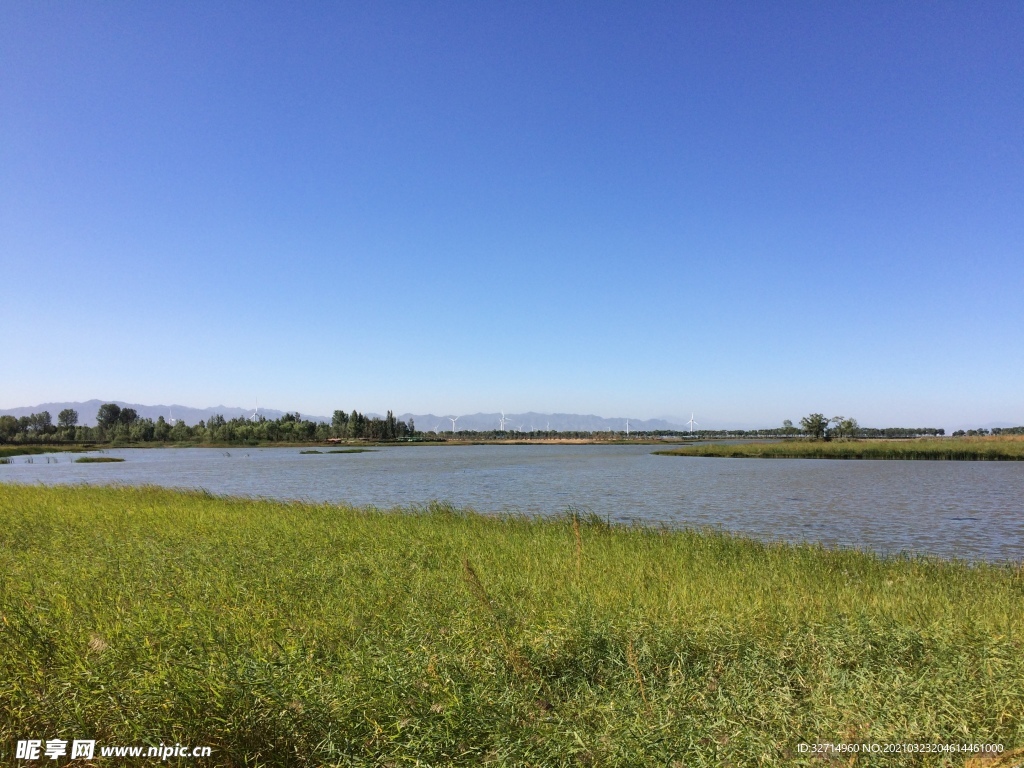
[998, 448]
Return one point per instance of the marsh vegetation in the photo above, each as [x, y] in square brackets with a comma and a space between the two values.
[286, 634]
[992, 448]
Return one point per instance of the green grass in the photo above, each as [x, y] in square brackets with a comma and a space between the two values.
[7, 451]
[314, 635]
[31, 450]
[96, 460]
[311, 451]
[949, 449]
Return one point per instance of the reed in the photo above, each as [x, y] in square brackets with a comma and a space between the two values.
[7, 451]
[1010, 448]
[286, 634]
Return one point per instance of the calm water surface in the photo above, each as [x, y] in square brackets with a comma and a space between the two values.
[967, 509]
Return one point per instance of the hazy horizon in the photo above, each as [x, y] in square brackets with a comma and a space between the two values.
[472, 421]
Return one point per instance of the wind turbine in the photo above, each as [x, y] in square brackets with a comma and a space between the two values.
[453, 420]
[170, 417]
[691, 422]
[256, 411]
[627, 427]
[502, 421]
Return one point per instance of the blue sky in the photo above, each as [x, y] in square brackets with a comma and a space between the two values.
[631, 209]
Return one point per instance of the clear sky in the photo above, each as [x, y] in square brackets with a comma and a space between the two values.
[749, 211]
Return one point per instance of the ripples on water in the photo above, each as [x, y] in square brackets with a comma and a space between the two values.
[966, 509]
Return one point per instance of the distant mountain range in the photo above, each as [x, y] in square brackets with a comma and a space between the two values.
[531, 421]
[425, 422]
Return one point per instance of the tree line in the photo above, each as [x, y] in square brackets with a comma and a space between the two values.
[994, 431]
[116, 424]
[817, 426]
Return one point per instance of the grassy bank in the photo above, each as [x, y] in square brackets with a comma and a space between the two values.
[7, 451]
[299, 635]
[1010, 448]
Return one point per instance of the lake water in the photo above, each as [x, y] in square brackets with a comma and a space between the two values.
[973, 510]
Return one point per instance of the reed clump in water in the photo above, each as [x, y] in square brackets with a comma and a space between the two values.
[306, 635]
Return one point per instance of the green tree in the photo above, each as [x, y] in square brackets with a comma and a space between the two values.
[8, 427]
[141, 431]
[108, 415]
[67, 418]
[41, 423]
[161, 430]
[272, 430]
[815, 425]
[339, 424]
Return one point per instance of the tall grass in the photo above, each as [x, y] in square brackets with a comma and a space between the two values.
[1009, 448]
[7, 451]
[313, 635]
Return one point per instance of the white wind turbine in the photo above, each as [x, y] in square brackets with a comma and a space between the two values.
[255, 411]
[453, 420]
[627, 427]
[691, 422]
[502, 421]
